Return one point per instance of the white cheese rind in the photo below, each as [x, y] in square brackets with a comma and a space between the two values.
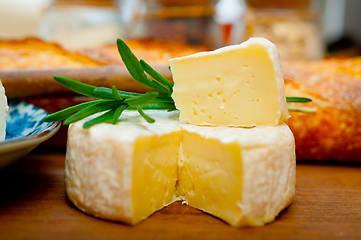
[99, 166]
[97, 187]
[269, 169]
[3, 110]
[222, 87]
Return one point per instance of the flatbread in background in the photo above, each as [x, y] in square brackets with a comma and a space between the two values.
[334, 131]
[33, 53]
[39, 61]
[155, 52]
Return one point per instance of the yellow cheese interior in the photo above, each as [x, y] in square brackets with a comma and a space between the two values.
[235, 87]
[243, 176]
[154, 173]
[210, 176]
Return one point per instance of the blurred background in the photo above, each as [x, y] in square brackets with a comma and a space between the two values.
[301, 29]
[76, 39]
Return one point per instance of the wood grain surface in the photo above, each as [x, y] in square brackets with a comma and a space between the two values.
[33, 205]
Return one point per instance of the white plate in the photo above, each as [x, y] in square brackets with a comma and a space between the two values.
[25, 130]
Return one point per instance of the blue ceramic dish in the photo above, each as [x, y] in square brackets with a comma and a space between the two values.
[25, 130]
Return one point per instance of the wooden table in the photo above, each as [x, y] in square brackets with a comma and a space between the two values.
[33, 205]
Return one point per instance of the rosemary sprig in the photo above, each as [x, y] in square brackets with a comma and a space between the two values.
[298, 99]
[91, 110]
[154, 74]
[301, 109]
[100, 119]
[113, 102]
[137, 71]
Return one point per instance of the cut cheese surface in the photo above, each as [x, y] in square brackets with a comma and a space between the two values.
[3, 110]
[210, 175]
[155, 173]
[127, 171]
[239, 85]
[244, 176]
[123, 172]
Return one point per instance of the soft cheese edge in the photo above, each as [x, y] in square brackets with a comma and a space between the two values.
[99, 166]
[269, 173]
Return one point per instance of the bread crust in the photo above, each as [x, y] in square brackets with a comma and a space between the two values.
[334, 85]
[154, 51]
[334, 131]
[34, 53]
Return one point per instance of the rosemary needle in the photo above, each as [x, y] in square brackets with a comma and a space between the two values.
[301, 109]
[113, 102]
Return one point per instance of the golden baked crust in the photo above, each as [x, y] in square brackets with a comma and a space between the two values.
[334, 131]
[155, 52]
[43, 60]
[33, 53]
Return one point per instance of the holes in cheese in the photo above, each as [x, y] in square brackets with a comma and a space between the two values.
[232, 78]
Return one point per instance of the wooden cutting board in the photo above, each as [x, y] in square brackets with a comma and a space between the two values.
[33, 205]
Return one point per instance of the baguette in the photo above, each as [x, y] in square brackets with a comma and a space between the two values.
[333, 132]
[33, 53]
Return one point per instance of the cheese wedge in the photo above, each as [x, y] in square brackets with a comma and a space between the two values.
[244, 176]
[123, 172]
[3, 109]
[239, 85]
[127, 171]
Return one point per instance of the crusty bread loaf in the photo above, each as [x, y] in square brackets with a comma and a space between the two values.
[33, 53]
[154, 51]
[334, 131]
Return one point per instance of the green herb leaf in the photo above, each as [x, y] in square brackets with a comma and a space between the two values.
[158, 77]
[157, 86]
[172, 108]
[82, 88]
[105, 117]
[109, 93]
[116, 94]
[301, 109]
[298, 99]
[103, 93]
[118, 112]
[154, 106]
[165, 97]
[135, 68]
[145, 116]
[125, 94]
[149, 96]
[131, 62]
[65, 113]
[78, 87]
[95, 108]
